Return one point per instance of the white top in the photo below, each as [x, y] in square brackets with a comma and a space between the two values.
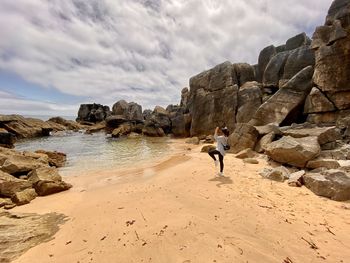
[221, 141]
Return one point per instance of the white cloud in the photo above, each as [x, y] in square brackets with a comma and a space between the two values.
[141, 50]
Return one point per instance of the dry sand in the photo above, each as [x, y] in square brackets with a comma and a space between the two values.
[177, 211]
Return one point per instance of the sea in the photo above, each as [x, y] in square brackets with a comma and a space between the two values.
[98, 151]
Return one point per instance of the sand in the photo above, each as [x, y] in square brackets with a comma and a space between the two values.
[176, 210]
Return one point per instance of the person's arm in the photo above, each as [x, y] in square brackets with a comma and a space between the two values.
[216, 133]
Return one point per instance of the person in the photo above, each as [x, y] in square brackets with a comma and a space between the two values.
[221, 136]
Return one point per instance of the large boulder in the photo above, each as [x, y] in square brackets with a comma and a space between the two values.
[297, 41]
[160, 118]
[123, 129]
[115, 121]
[244, 73]
[185, 94]
[264, 58]
[317, 102]
[19, 164]
[274, 69]
[324, 134]
[24, 197]
[341, 100]
[130, 111]
[213, 99]
[152, 130]
[334, 184]
[92, 113]
[46, 181]
[243, 137]
[284, 104]
[294, 151]
[279, 174]
[55, 158]
[180, 124]
[297, 60]
[249, 100]
[9, 185]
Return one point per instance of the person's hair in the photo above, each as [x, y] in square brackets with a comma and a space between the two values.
[225, 131]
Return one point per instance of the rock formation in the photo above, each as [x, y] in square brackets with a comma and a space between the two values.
[92, 113]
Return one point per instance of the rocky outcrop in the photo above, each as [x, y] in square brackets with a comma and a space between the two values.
[28, 127]
[130, 111]
[317, 102]
[36, 175]
[20, 232]
[294, 151]
[180, 123]
[7, 139]
[213, 99]
[249, 100]
[55, 158]
[70, 125]
[92, 113]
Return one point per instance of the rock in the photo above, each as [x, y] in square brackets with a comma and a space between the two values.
[246, 153]
[333, 184]
[294, 151]
[130, 111]
[96, 127]
[297, 60]
[93, 113]
[279, 174]
[22, 231]
[28, 127]
[264, 57]
[327, 118]
[24, 197]
[213, 99]
[281, 106]
[249, 100]
[5, 202]
[47, 174]
[209, 139]
[180, 124]
[243, 137]
[207, 148]
[341, 100]
[317, 102]
[159, 119]
[55, 158]
[7, 139]
[268, 128]
[264, 142]
[185, 94]
[324, 134]
[244, 73]
[342, 153]
[321, 162]
[9, 185]
[297, 41]
[70, 125]
[153, 131]
[274, 69]
[251, 161]
[193, 140]
[115, 121]
[296, 179]
[331, 44]
[19, 164]
[146, 115]
[123, 129]
[47, 188]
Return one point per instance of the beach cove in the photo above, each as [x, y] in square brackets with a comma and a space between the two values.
[175, 210]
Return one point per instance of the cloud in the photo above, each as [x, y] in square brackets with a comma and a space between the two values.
[141, 50]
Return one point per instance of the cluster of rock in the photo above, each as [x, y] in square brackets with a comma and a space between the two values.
[25, 175]
[14, 127]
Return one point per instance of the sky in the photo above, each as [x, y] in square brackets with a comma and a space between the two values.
[55, 54]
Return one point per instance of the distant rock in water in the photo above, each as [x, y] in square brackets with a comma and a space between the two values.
[93, 113]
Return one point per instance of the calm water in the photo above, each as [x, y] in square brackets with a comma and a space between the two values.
[96, 152]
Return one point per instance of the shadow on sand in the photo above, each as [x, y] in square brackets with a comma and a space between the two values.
[222, 180]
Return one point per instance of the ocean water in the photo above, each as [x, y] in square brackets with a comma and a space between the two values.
[95, 152]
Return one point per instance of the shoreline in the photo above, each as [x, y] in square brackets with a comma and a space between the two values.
[175, 210]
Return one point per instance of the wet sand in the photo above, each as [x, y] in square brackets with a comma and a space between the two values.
[177, 211]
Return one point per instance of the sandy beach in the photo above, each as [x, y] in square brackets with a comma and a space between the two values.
[176, 210]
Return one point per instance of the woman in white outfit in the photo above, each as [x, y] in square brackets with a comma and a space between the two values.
[221, 136]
